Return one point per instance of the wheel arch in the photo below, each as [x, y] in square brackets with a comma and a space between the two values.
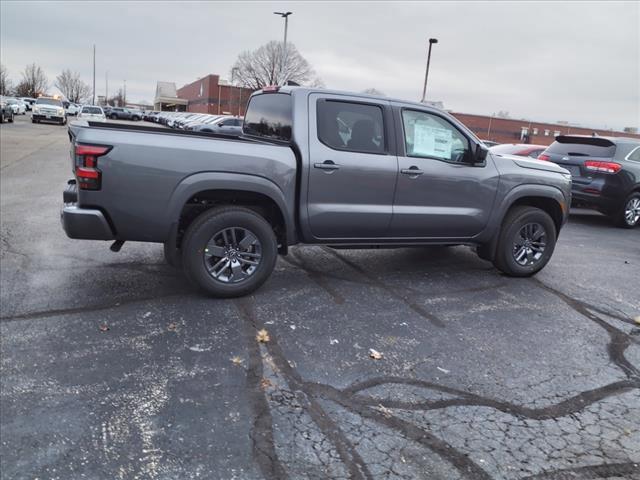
[545, 197]
[205, 190]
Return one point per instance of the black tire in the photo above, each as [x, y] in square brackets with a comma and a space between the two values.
[10, 119]
[620, 217]
[515, 220]
[114, 117]
[172, 255]
[210, 223]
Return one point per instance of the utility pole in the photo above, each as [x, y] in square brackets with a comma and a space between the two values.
[94, 75]
[426, 75]
[106, 87]
[124, 96]
[284, 15]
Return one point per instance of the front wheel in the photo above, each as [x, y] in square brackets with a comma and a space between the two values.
[629, 214]
[526, 243]
[229, 251]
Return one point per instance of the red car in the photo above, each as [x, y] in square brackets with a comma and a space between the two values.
[519, 149]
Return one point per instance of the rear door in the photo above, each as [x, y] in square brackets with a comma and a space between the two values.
[353, 170]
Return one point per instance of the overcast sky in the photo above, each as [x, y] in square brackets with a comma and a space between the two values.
[548, 61]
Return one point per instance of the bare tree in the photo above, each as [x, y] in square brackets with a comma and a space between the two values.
[72, 87]
[34, 81]
[5, 81]
[272, 64]
[373, 91]
[117, 100]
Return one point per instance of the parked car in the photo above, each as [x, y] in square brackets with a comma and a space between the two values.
[73, 109]
[120, 113]
[150, 115]
[228, 125]
[519, 149]
[49, 109]
[17, 106]
[28, 101]
[92, 113]
[200, 122]
[6, 112]
[230, 205]
[605, 173]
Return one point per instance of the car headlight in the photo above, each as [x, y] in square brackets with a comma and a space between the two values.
[61, 111]
[36, 109]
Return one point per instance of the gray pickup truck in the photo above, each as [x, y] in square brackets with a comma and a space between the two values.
[311, 167]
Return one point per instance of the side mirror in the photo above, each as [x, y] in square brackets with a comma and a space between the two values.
[480, 155]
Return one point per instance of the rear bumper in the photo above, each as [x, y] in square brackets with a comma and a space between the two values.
[83, 223]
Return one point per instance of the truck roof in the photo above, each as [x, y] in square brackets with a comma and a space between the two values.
[308, 90]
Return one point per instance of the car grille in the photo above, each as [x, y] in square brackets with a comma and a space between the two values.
[48, 111]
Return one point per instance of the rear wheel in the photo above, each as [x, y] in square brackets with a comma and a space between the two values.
[229, 251]
[629, 214]
[526, 242]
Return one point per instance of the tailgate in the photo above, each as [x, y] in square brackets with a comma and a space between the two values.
[578, 155]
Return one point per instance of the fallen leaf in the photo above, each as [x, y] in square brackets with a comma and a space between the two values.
[376, 355]
[236, 360]
[104, 327]
[385, 411]
[637, 319]
[265, 383]
[443, 370]
[292, 327]
[263, 336]
[172, 327]
[333, 341]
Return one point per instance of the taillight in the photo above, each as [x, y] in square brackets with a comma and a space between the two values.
[542, 156]
[602, 167]
[87, 173]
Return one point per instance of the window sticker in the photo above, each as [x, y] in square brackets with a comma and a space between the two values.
[431, 141]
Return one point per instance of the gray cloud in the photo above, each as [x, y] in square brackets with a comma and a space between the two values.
[542, 60]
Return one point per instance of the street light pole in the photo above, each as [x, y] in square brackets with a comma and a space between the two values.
[94, 75]
[284, 15]
[106, 87]
[426, 74]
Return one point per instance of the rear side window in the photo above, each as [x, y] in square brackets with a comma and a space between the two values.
[354, 127]
[269, 115]
[582, 147]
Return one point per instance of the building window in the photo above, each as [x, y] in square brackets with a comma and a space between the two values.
[535, 131]
[546, 133]
[556, 133]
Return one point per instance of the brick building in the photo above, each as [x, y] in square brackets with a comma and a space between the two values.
[508, 130]
[213, 95]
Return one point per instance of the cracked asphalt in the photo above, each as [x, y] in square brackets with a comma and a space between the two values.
[115, 367]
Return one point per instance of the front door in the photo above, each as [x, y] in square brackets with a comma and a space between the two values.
[440, 194]
[353, 173]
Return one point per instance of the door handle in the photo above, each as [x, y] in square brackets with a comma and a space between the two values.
[412, 171]
[327, 165]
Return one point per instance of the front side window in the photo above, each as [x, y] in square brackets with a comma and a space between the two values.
[430, 136]
[353, 127]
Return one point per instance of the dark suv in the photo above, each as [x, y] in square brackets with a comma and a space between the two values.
[124, 114]
[605, 173]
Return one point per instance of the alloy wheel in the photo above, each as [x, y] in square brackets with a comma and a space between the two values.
[232, 255]
[632, 211]
[529, 244]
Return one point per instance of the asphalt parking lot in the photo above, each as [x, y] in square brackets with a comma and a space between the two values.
[115, 367]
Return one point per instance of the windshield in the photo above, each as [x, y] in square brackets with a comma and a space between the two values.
[93, 110]
[582, 147]
[49, 101]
